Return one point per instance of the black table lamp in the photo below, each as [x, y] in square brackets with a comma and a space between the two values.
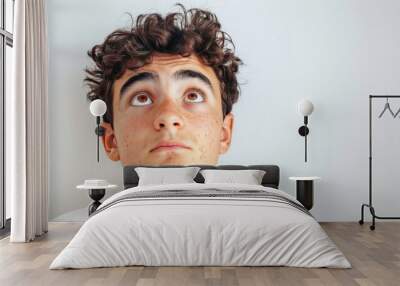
[305, 108]
[98, 108]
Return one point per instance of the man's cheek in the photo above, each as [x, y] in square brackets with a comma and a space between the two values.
[131, 131]
[133, 123]
[207, 132]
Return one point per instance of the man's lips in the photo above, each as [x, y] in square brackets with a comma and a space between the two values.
[169, 145]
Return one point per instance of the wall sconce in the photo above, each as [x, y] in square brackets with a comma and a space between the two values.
[98, 108]
[305, 108]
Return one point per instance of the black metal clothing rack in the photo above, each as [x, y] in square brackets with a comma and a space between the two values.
[369, 205]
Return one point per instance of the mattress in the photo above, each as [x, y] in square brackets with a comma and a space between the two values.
[201, 225]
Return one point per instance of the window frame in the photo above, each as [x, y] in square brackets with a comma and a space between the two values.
[6, 39]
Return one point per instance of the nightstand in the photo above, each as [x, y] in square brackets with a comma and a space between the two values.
[305, 190]
[97, 190]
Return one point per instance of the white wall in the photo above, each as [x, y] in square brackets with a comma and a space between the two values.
[335, 53]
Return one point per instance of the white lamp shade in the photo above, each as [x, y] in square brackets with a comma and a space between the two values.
[98, 107]
[305, 107]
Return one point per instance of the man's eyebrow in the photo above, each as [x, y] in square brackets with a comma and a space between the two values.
[137, 77]
[183, 74]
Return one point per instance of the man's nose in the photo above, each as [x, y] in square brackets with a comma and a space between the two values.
[168, 117]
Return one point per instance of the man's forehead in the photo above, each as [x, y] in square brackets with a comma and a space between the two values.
[168, 63]
[171, 59]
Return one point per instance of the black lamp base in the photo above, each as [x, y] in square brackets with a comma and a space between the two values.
[96, 195]
[305, 193]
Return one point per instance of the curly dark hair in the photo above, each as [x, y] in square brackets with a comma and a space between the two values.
[193, 31]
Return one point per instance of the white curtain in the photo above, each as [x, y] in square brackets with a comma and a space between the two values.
[26, 124]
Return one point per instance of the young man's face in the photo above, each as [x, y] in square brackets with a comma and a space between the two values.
[168, 112]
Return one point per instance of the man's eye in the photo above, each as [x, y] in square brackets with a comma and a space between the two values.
[194, 97]
[141, 99]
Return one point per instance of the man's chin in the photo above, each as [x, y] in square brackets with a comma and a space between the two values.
[173, 158]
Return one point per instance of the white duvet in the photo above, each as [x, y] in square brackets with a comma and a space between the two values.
[200, 231]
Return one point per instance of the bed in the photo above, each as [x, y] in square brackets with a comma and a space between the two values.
[201, 224]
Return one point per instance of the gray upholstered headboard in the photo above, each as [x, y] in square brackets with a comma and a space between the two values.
[270, 179]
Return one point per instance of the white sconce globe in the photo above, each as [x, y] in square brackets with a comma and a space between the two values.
[98, 107]
[305, 107]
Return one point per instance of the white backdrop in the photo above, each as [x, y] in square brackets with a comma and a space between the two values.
[334, 53]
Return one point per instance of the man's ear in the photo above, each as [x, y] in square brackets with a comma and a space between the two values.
[226, 133]
[110, 142]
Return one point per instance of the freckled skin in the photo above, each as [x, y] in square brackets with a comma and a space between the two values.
[169, 115]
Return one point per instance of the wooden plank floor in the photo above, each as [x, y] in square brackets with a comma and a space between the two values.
[375, 257]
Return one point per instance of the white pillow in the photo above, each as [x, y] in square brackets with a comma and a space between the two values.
[161, 176]
[249, 177]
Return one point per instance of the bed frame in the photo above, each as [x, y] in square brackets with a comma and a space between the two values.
[270, 179]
